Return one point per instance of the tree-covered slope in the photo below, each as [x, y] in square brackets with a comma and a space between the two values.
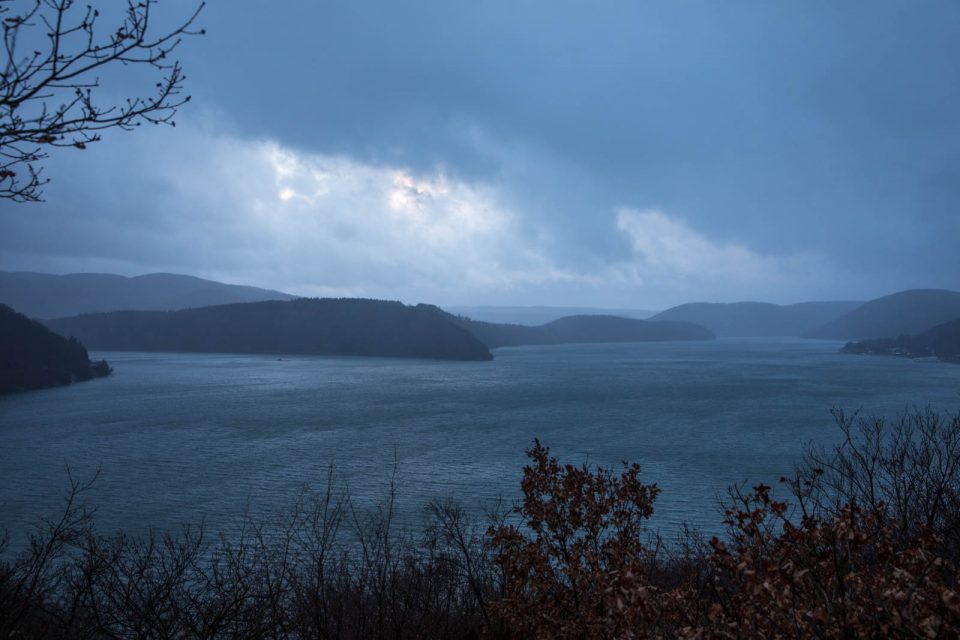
[757, 318]
[942, 341]
[34, 357]
[42, 295]
[352, 327]
[904, 313]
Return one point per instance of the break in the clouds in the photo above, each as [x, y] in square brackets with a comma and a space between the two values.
[255, 211]
[626, 154]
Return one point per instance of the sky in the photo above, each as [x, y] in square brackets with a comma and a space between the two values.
[622, 154]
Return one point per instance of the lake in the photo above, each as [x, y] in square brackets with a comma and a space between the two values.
[181, 438]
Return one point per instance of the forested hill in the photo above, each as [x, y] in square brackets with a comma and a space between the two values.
[942, 341]
[43, 295]
[350, 327]
[905, 313]
[582, 329]
[33, 357]
[758, 318]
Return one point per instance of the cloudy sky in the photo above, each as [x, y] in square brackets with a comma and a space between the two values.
[627, 154]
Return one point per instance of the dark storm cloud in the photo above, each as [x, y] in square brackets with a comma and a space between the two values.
[817, 141]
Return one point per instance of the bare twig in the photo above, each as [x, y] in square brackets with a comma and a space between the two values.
[49, 95]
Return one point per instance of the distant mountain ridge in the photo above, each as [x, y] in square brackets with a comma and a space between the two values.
[33, 357]
[537, 315]
[581, 329]
[760, 319]
[344, 327]
[42, 295]
[904, 313]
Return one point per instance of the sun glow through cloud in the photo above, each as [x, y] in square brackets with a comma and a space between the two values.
[335, 226]
[321, 224]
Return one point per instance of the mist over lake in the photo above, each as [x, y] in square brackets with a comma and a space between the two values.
[183, 439]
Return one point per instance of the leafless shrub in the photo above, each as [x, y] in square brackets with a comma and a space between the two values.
[906, 470]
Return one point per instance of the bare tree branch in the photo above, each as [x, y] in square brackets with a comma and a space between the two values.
[49, 96]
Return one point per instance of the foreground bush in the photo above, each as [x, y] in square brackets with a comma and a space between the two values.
[851, 576]
[863, 545]
[323, 571]
[580, 541]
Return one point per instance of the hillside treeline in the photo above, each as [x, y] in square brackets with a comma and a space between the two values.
[33, 357]
[942, 342]
[326, 326]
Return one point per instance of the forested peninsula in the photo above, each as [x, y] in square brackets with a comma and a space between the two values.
[941, 342]
[328, 326]
[34, 357]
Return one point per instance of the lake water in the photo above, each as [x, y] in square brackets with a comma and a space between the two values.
[181, 438]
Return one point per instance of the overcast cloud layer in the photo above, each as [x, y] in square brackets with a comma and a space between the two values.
[618, 154]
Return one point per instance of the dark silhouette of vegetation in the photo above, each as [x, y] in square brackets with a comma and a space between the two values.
[904, 313]
[942, 342]
[44, 296]
[864, 545]
[33, 357]
[346, 327]
[758, 318]
[55, 51]
[580, 534]
[323, 571]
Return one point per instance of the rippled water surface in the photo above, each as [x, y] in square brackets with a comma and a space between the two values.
[181, 438]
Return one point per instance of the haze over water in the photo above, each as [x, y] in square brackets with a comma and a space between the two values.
[185, 438]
